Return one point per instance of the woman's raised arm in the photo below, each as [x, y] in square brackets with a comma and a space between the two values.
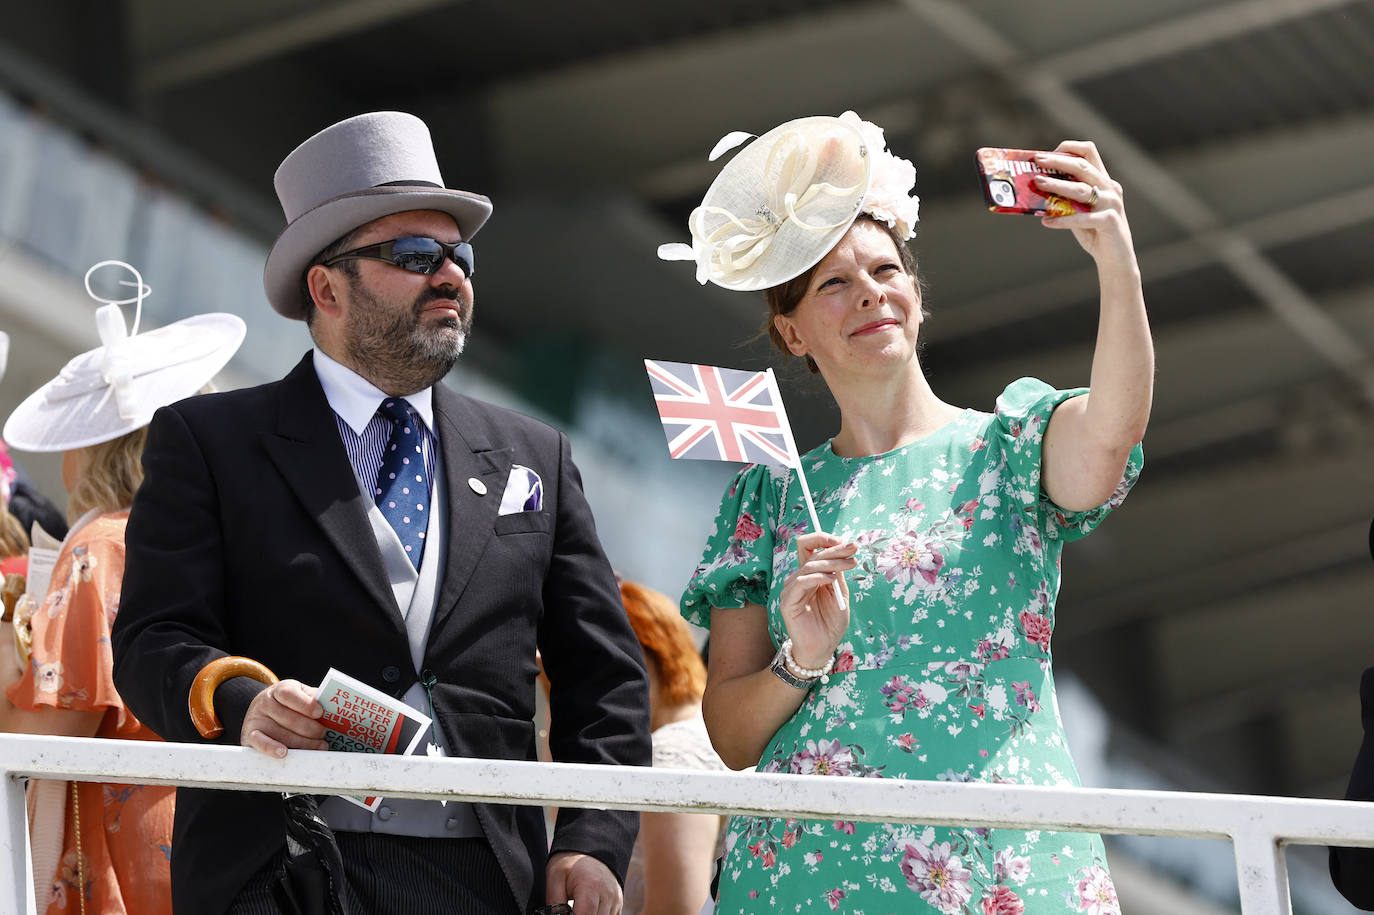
[1090, 437]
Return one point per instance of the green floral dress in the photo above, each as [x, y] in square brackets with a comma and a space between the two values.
[944, 673]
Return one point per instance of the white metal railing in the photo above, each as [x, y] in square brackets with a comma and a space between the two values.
[1259, 827]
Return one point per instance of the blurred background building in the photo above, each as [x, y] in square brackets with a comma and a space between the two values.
[1211, 634]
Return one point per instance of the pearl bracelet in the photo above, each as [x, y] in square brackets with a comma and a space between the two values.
[805, 673]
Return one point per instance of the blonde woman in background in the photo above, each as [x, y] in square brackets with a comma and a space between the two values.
[99, 847]
[114, 842]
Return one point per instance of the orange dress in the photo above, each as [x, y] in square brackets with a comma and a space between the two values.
[125, 831]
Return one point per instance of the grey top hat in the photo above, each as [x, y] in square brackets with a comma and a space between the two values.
[347, 175]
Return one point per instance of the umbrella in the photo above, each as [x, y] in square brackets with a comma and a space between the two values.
[310, 879]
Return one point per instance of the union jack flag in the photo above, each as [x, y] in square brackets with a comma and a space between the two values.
[717, 414]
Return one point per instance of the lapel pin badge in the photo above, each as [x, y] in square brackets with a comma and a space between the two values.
[477, 486]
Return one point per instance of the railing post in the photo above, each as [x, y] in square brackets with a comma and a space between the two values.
[1262, 873]
[15, 863]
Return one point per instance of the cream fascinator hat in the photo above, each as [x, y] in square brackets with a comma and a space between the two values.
[788, 197]
[114, 389]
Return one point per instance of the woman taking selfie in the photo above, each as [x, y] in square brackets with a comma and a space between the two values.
[910, 637]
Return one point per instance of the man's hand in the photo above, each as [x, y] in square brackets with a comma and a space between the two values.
[585, 882]
[285, 715]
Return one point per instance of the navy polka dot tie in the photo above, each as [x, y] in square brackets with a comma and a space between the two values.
[402, 483]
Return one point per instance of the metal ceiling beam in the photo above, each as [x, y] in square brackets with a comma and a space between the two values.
[273, 39]
[1179, 34]
[1146, 176]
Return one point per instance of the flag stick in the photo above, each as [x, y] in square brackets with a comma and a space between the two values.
[796, 462]
[792, 448]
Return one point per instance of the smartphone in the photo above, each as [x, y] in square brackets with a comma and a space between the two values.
[1006, 177]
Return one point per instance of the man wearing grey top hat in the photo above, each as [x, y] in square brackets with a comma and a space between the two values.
[359, 515]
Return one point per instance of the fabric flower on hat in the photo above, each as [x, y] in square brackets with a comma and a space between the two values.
[889, 198]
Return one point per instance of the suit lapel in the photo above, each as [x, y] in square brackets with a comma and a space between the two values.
[308, 453]
[475, 476]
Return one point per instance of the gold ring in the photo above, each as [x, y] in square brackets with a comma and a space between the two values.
[1092, 199]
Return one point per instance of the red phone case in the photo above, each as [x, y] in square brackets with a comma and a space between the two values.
[1006, 178]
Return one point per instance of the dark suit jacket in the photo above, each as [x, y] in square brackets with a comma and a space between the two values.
[249, 537]
[1352, 869]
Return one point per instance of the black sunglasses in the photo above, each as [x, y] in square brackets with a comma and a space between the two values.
[418, 255]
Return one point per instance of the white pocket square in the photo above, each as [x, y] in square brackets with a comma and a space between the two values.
[524, 491]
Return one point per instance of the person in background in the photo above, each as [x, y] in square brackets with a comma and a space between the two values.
[14, 541]
[29, 506]
[14, 538]
[908, 637]
[21, 499]
[1352, 869]
[670, 870]
[98, 847]
[14, 548]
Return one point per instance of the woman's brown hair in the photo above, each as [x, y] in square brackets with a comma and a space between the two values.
[666, 642]
[784, 298]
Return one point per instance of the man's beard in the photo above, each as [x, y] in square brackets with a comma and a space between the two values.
[395, 350]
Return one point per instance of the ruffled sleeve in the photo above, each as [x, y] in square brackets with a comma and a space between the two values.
[71, 666]
[737, 564]
[1023, 413]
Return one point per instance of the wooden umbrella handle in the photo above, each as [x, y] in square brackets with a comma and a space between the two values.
[202, 698]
